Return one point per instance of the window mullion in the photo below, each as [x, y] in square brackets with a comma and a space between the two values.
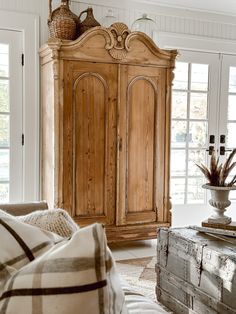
[187, 133]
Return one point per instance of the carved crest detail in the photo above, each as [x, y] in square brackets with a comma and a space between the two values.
[117, 40]
[120, 33]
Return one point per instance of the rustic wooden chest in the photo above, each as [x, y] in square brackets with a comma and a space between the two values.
[196, 273]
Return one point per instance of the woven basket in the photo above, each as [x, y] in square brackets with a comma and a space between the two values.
[62, 23]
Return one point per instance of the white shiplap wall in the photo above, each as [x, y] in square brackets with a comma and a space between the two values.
[170, 20]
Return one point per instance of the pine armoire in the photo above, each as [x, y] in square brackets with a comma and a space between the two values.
[105, 130]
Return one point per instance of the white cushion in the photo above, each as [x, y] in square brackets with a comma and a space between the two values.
[76, 275]
[137, 304]
[55, 220]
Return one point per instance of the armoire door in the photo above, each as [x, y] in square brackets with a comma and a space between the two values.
[142, 144]
[90, 124]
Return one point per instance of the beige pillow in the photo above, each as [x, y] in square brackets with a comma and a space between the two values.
[54, 220]
[75, 276]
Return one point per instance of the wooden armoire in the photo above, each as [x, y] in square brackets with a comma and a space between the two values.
[105, 123]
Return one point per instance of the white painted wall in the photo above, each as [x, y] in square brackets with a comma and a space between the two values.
[194, 215]
[171, 20]
[217, 6]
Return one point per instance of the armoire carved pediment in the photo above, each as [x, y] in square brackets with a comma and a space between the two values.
[114, 43]
[106, 130]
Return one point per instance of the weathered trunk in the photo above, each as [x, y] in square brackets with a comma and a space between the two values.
[196, 273]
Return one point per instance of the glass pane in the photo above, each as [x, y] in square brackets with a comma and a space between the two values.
[4, 131]
[4, 60]
[196, 156]
[232, 107]
[178, 162]
[3, 48]
[199, 77]
[196, 194]
[179, 133]
[4, 164]
[181, 76]
[177, 190]
[198, 106]
[231, 139]
[4, 192]
[197, 134]
[4, 96]
[179, 105]
[232, 80]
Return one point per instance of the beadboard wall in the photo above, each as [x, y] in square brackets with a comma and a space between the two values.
[169, 20]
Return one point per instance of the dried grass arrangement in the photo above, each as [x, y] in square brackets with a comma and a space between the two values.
[218, 173]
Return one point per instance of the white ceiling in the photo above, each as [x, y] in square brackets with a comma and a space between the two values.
[216, 6]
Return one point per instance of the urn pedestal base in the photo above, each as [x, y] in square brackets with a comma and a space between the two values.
[225, 220]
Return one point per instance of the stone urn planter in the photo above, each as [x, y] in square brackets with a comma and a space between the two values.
[219, 201]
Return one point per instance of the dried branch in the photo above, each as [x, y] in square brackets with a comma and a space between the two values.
[217, 173]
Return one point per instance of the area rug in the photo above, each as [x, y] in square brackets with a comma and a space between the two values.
[140, 275]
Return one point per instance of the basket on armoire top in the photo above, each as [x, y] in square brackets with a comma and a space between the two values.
[62, 23]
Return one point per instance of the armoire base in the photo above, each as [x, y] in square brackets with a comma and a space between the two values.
[133, 232]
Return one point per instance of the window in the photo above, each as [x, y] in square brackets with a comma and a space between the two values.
[227, 111]
[189, 131]
[20, 164]
[11, 178]
[203, 115]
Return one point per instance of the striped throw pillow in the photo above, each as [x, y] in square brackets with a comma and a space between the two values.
[74, 276]
[20, 244]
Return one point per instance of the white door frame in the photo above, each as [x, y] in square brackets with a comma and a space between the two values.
[28, 24]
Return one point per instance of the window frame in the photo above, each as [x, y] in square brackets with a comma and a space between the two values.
[193, 57]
